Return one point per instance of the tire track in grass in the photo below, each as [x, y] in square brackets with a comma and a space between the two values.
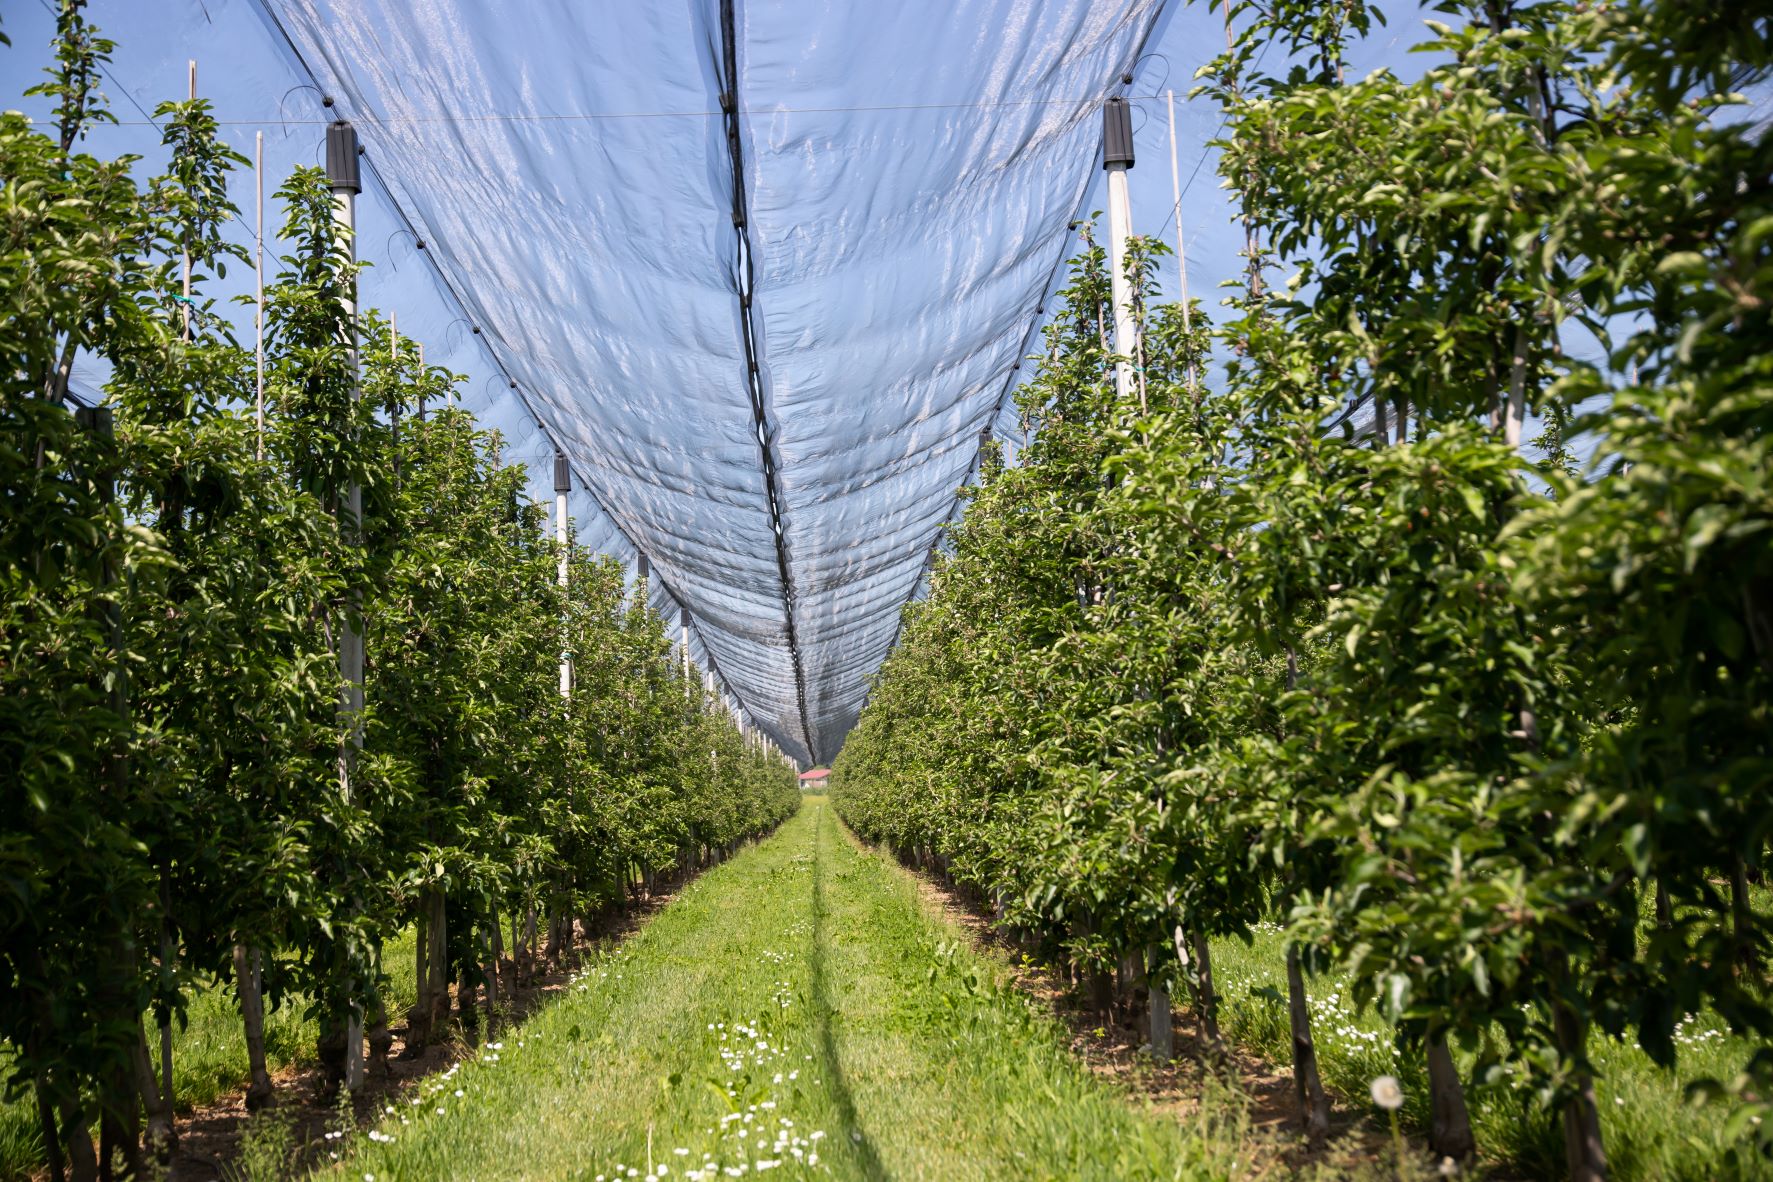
[868, 1160]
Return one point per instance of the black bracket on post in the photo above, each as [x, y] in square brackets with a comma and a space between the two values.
[342, 168]
[563, 474]
[1117, 133]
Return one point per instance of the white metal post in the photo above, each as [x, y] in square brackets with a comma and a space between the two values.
[343, 171]
[185, 308]
[563, 484]
[258, 176]
[1117, 157]
[1181, 240]
[683, 621]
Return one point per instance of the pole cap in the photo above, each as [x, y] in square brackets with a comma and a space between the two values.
[643, 568]
[341, 158]
[1117, 133]
[563, 473]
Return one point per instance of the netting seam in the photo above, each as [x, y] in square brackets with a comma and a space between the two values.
[745, 278]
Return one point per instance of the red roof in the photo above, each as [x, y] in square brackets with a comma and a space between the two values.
[818, 773]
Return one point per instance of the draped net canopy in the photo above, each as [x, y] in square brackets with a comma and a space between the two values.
[764, 272]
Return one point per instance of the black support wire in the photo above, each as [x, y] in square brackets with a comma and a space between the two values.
[746, 278]
[461, 302]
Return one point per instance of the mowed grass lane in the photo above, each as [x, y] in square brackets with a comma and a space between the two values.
[795, 1012]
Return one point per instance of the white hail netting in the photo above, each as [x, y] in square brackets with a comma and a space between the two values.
[909, 172]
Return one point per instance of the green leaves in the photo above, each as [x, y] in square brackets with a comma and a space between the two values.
[1300, 642]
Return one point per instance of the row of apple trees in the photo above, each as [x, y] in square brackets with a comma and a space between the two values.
[182, 799]
[1315, 642]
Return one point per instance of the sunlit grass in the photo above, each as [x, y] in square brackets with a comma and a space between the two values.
[795, 1011]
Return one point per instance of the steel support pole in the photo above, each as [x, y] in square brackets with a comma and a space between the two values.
[683, 623]
[1181, 239]
[563, 484]
[343, 172]
[258, 176]
[1117, 157]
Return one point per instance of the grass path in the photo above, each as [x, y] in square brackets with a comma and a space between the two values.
[795, 1012]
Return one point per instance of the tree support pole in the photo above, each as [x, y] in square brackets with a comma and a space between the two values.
[563, 484]
[343, 172]
[1117, 157]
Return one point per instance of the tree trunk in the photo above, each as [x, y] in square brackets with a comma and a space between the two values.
[439, 966]
[1742, 920]
[1101, 991]
[166, 969]
[52, 1134]
[381, 1039]
[1157, 1001]
[259, 1092]
[82, 1160]
[495, 954]
[120, 1119]
[1314, 1106]
[555, 950]
[1208, 999]
[468, 998]
[161, 1138]
[1449, 1129]
[1664, 910]
[1584, 1151]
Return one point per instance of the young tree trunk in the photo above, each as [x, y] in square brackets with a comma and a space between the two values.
[161, 1139]
[1208, 999]
[1584, 1151]
[123, 1115]
[259, 1091]
[555, 949]
[1449, 1129]
[1127, 974]
[494, 956]
[1157, 1003]
[468, 998]
[1742, 920]
[418, 1019]
[166, 968]
[52, 1133]
[82, 1159]
[1664, 910]
[1314, 1106]
[1101, 991]
[381, 1039]
[439, 966]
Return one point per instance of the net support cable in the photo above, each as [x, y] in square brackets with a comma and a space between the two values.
[745, 276]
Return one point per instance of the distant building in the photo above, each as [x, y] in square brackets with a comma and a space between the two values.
[814, 781]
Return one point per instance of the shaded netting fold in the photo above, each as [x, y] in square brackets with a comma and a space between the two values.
[909, 171]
